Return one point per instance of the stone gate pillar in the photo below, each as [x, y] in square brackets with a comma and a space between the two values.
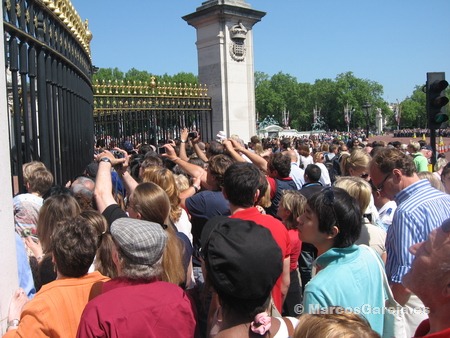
[225, 63]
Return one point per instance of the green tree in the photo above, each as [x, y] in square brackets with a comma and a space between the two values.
[282, 92]
[108, 74]
[134, 75]
[413, 110]
[332, 96]
[180, 78]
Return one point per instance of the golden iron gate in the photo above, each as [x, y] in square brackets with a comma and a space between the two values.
[148, 112]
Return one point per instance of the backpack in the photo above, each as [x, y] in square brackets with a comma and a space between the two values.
[336, 162]
[331, 173]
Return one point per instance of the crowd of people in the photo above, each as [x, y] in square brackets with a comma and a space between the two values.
[284, 237]
[418, 132]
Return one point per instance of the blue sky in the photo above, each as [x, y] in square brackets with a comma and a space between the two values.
[392, 42]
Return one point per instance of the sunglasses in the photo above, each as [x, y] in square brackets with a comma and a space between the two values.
[364, 176]
[380, 186]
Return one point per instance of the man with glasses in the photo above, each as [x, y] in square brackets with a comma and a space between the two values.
[429, 279]
[421, 209]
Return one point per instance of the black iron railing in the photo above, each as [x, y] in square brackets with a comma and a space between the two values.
[50, 98]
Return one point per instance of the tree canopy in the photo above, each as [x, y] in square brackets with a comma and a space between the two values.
[112, 74]
[329, 97]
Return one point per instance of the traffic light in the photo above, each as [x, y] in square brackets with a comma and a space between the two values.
[436, 99]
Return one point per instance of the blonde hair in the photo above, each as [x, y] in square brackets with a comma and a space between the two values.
[325, 147]
[264, 199]
[182, 182]
[440, 163]
[336, 322]
[165, 179]
[39, 181]
[357, 159]
[258, 148]
[153, 203]
[435, 182]
[414, 145]
[29, 168]
[318, 157]
[356, 187]
[295, 202]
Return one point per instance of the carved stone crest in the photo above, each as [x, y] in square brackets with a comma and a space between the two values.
[238, 34]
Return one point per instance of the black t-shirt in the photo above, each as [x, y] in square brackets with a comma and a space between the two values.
[113, 212]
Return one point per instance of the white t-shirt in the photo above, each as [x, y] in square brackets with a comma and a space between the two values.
[184, 224]
[386, 213]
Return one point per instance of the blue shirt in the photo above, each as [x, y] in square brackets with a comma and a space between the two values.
[351, 278]
[297, 174]
[421, 209]
[26, 281]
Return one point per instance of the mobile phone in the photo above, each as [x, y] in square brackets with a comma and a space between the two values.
[161, 150]
[192, 134]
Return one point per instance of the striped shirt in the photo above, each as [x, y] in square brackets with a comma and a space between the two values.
[421, 208]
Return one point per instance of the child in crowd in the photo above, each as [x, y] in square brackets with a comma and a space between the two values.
[292, 206]
[37, 180]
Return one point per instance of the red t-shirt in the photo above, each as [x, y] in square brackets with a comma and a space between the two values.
[296, 246]
[135, 308]
[424, 327]
[280, 235]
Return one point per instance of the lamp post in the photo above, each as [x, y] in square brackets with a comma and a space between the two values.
[348, 116]
[398, 115]
[366, 106]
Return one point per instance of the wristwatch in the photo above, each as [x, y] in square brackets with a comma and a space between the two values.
[105, 159]
[182, 141]
[13, 324]
[196, 188]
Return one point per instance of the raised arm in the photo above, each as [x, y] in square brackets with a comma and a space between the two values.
[184, 139]
[231, 150]
[257, 160]
[201, 155]
[191, 169]
[128, 180]
[103, 183]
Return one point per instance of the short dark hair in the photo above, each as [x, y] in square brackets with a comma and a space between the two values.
[281, 163]
[255, 139]
[241, 180]
[345, 212]
[285, 143]
[214, 148]
[73, 245]
[313, 172]
[388, 159]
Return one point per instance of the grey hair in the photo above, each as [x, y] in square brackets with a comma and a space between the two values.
[81, 186]
[139, 271]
